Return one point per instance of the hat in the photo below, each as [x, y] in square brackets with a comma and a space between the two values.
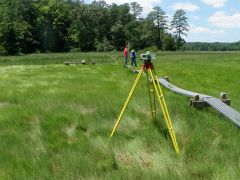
[132, 51]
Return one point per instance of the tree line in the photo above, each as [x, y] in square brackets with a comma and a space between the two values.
[216, 46]
[28, 26]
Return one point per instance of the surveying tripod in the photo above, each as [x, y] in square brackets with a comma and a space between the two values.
[154, 90]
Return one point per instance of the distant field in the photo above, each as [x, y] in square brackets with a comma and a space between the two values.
[55, 120]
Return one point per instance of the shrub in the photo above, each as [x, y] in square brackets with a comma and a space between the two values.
[3, 51]
[104, 46]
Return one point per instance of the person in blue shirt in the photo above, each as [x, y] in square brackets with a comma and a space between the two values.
[133, 58]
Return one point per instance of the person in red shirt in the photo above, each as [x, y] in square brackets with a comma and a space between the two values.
[125, 53]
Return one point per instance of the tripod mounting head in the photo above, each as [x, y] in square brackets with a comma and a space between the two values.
[147, 58]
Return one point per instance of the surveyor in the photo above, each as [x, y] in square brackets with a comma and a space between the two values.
[133, 58]
[125, 53]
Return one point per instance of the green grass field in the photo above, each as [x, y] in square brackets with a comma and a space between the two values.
[55, 120]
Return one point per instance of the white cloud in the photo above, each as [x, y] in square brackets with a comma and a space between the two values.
[194, 17]
[146, 4]
[169, 16]
[185, 6]
[204, 30]
[199, 29]
[215, 3]
[223, 20]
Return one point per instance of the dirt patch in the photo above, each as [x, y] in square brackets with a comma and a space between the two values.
[3, 104]
[141, 159]
[35, 137]
[70, 131]
[125, 159]
[87, 109]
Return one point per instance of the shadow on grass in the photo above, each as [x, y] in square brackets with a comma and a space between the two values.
[161, 128]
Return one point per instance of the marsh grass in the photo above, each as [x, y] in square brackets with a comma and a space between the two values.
[55, 120]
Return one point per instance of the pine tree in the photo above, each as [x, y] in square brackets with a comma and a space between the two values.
[179, 25]
[158, 16]
[136, 9]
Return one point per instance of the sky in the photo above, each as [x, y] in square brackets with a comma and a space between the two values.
[209, 20]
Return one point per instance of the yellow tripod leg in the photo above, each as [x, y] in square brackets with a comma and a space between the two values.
[168, 118]
[165, 111]
[164, 102]
[127, 100]
[151, 98]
